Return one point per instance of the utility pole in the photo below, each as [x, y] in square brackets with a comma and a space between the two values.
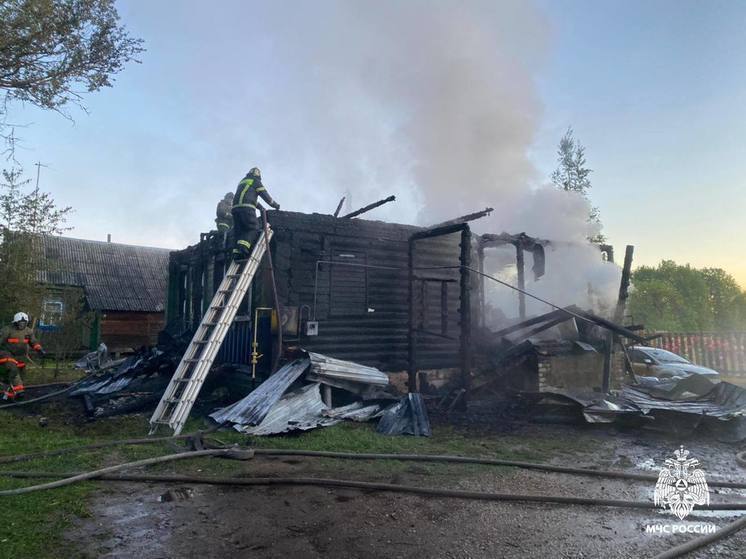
[34, 216]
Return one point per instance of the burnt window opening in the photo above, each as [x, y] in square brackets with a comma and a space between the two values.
[348, 285]
[432, 307]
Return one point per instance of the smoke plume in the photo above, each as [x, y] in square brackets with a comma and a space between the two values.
[434, 101]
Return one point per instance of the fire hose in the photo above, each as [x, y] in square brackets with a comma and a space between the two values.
[105, 474]
[39, 399]
[697, 543]
[741, 458]
[78, 477]
[197, 436]
[108, 474]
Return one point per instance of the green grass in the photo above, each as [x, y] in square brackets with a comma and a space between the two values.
[34, 524]
[30, 522]
[47, 372]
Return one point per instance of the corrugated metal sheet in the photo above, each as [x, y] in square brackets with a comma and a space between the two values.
[115, 277]
[325, 367]
[252, 409]
[303, 409]
[406, 417]
[356, 411]
[299, 410]
[724, 401]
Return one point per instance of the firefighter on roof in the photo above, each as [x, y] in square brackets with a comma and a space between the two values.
[224, 218]
[15, 341]
[245, 223]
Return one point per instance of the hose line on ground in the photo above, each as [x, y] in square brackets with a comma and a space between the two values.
[39, 399]
[227, 452]
[96, 446]
[354, 484]
[482, 461]
[373, 456]
[741, 458]
[696, 543]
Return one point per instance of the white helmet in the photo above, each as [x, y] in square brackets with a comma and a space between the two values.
[19, 316]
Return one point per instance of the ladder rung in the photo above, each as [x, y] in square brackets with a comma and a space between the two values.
[176, 400]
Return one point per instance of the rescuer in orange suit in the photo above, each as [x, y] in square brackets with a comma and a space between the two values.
[15, 340]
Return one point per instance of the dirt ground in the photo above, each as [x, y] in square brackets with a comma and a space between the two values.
[163, 521]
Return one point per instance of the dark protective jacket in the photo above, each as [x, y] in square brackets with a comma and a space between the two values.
[16, 342]
[224, 218]
[248, 191]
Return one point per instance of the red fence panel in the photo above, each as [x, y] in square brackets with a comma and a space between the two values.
[723, 351]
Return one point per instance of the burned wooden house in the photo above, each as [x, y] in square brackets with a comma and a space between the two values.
[405, 299]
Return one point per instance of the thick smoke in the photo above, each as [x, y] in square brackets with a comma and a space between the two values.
[433, 101]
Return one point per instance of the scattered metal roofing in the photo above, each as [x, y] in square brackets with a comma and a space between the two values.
[252, 409]
[147, 364]
[114, 277]
[674, 406]
[323, 367]
[356, 411]
[724, 401]
[299, 410]
[406, 417]
[303, 409]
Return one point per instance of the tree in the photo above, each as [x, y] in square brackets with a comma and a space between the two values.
[24, 215]
[572, 175]
[33, 212]
[52, 51]
[686, 299]
[51, 47]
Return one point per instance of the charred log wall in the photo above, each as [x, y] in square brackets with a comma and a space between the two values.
[360, 293]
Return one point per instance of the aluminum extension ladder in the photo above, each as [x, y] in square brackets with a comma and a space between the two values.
[181, 393]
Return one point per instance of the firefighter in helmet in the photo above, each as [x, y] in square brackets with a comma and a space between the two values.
[224, 218]
[245, 223]
[15, 341]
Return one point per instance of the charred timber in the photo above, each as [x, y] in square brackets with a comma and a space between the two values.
[369, 207]
[535, 320]
[464, 302]
[464, 218]
[465, 308]
[339, 206]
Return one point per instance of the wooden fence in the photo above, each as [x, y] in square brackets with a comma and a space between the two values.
[724, 351]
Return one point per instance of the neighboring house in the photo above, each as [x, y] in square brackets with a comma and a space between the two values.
[123, 288]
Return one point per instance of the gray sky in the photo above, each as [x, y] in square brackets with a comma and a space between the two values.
[450, 106]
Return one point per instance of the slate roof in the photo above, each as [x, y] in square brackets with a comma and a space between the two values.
[115, 277]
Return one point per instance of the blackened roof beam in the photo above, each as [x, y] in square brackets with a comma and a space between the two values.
[464, 218]
[369, 207]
